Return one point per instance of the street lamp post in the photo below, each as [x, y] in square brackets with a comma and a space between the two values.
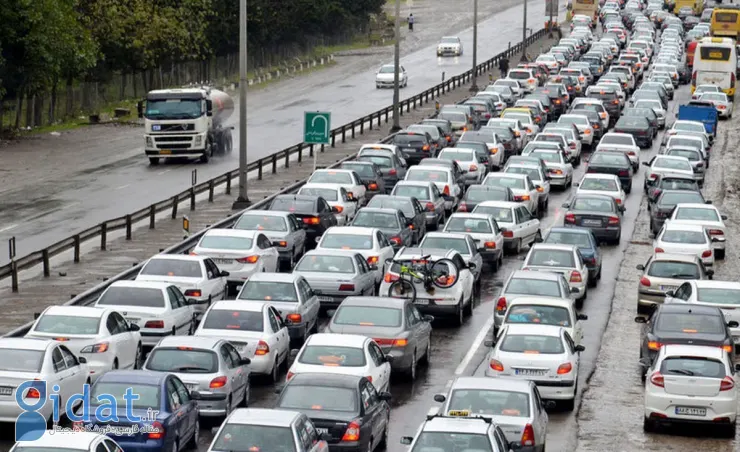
[474, 85]
[524, 35]
[242, 202]
[397, 67]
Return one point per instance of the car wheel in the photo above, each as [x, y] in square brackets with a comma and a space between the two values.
[648, 426]
[428, 352]
[719, 254]
[275, 373]
[193, 443]
[411, 372]
[460, 313]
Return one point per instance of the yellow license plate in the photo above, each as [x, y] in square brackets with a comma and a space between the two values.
[458, 413]
[165, 151]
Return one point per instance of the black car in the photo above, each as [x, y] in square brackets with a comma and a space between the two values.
[347, 407]
[445, 126]
[595, 121]
[414, 146]
[666, 201]
[546, 102]
[477, 194]
[507, 136]
[608, 162]
[599, 213]
[412, 210]
[637, 127]
[313, 211]
[671, 182]
[647, 113]
[683, 323]
[391, 222]
[556, 99]
[390, 166]
[610, 99]
[370, 175]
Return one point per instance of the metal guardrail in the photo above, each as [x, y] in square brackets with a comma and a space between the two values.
[126, 222]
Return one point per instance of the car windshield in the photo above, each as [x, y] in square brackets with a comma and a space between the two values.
[532, 344]
[338, 241]
[414, 191]
[318, 398]
[453, 116]
[67, 324]
[678, 184]
[608, 159]
[519, 75]
[674, 270]
[360, 169]
[238, 437]
[540, 314]
[449, 41]
[593, 183]
[539, 287]
[473, 225]
[688, 142]
[689, 127]
[592, 204]
[689, 322]
[433, 131]
[573, 120]
[367, 316]
[172, 267]
[330, 177]
[253, 222]
[544, 145]
[148, 395]
[633, 122]
[326, 264]
[329, 194]
[19, 360]
[714, 96]
[290, 204]
[376, 220]
[490, 401]
[225, 319]
[269, 291]
[409, 139]
[551, 258]
[182, 359]
[132, 296]
[578, 239]
[444, 243]
[691, 155]
[225, 242]
[693, 366]
[332, 356]
[500, 214]
[671, 199]
[533, 173]
[510, 182]
[550, 138]
[418, 174]
[404, 205]
[719, 295]
[381, 161]
[679, 236]
[387, 69]
[456, 155]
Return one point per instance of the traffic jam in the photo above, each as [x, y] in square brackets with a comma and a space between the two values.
[335, 293]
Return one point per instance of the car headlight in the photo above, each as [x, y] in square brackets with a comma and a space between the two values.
[149, 142]
[198, 140]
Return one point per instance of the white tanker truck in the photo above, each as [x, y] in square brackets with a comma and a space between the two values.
[186, 123]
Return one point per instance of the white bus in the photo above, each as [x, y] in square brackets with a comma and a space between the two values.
[715, 63]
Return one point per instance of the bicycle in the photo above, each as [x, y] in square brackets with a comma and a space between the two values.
[442, 273]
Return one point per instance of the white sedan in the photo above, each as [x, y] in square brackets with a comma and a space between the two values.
[370, 242]
[705, 215]
[48, 361]
[102, 336]
[386, 75]
[336, 196]
[520, 228]
[344, 354]
[563, 259]
[242, 253]
[521, 186]
[255, 329]
[559, 169]
[692, 384]
[721, 102]
[540, 179]
[545, 354]
[473, 170]
[602, 184]
[77, 442]
[484, 230]
[690, 239]
[582, 123]
[662, 165]
[348, 179]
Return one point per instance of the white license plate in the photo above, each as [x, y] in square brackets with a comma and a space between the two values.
[6, 390]
[322, 430]
[667, 288]
[530, 372]
[326, 298]
[592, 222]
[223, 261]
[421, 302]
[691, 411]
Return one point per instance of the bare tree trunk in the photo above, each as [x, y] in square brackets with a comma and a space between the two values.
[38, 110]
[53, 103]
[133, 83]
[19, 108]
[30, 102]
[122, 92]
[69, 101]
[2, 113]
[161, 77]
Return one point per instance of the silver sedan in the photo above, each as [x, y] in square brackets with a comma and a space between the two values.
[286, 231]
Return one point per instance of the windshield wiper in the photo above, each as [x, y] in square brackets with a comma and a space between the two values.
[683, 276]
[682, 372]
[184, 368]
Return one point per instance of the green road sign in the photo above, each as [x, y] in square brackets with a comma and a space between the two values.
[316, 127]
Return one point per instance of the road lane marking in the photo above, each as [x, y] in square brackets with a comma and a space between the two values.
[122, 187]
[162, 172]
[8, 228]
[477, 342]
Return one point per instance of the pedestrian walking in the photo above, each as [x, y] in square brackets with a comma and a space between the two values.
[503, 66]
[411, 22]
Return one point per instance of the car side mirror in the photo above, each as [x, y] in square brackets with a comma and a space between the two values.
[373, 267]
[389, 359]
[489, 343]
[575, 290]
[472, 266]
[195, 395]
[640, 319]
[579, 348]
[318, 239]
[294, 353]
[209, 107]
[640, 267]
[709, 201]
[335, 209]
[575, 184]
[538, 239]
[82, 360]
[224, 274]
[134, 327]
[407, 440]
[245, 362]
[517, 446]
[409, 222]
[724, 217]
[581, 317]
[447, 198]
[566, 205]
[645, 163]
[428, 318]
[622, 209]
[549, 405]
[278, 389]
[440, 398]
[733, 324]
[718, 239]
[709, 273]
[670, 293]
[385, 396]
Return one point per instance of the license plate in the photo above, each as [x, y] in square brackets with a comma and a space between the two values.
[691, 411]
[421, 302]
[165, 151]
[223, 261]
[326, 298]
[592, 222]
[322, 431]
[530, 372]
[667, 288]
[6, 390]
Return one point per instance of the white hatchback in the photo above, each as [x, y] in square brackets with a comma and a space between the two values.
[685, 239]
[336, 196]
[705, 215]
[521, 186]
[370, 242]
[602, 184]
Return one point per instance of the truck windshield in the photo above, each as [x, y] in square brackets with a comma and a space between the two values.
[173, 109]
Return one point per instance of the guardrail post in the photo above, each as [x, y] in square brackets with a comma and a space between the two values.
[408, 106]
[362, 125]
[103, 236]
[310, 151]
[274, 163]
[287, 159]
[192, 198]
[211, 188]
[13, 264]
[175, 202]
[193, 181]
[128, 227]
[259, 169]
[76, 249]
[353, 130]
[344, 135]
[370, 126]
[322, 148]
[47, 266]
[152, 216]
[333, 138]
[300, 153]
[228, 184]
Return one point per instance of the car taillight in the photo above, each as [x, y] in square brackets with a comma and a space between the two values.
[353, 432]
[727, 348]
[154, 324]
[540, 189]
[396, 241]
[557, 172]
[262, 349]
[657, 380]
[430, 207]
[570, 218]
[346, 287]
[615, 102]
[654, 345]
[33, 393]
[707, 253]
[490, 245]
[97, 348]
[390, 277]
[613, 220]
[392, 342]
[248, 260]
[528, 436]
[602, 115]
[659, 250]
[619, 201]
[564, 368]
[716, 232]
[193, 293]
[295, 318]
[218, 382]
[462, 207]
[372, 186]
[644, 282]
[157, 431]
[572, 145]
[392, 172]
[473, 168]
[726, 384]
[289, 376]
[312, 220]
[587, 132]
[652, 176]
[501, 305]
[425, 147]
[372, 260]
[449, 138]
[509, 234]
[446, 191]
[576, 277]
[496, 365]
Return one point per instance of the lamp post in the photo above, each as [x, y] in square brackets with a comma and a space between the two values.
[397, 67]
[242, 202]
[524, 36]
[474, 84]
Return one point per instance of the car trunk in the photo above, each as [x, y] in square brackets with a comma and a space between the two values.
[9, 381]
[720, 79]
[691, 386]
[708, 339]
[333, 423]
[531, 366]
[244, 341]
[592, 220]
[138, 315]
[182, 283]
[384, 336]
[74, 342]
[226, 259]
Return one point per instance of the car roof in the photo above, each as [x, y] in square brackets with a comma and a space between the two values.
[134, 376]
[600, 176]
[130, 283]
[414, 183]
[352, 230]
[689, 308]
[24, 343]
[508, 204]
[262, 416]
[693, 350]
[456, 425]
[325, 379]
[380, 302]
[674, 257]
[239, 305]
[275, 277]
[683, 226]
[554, 246]
[709, 283]
[504, 384]
[566, 303]
[507, 175]
[179, 257]
[197, 342]
[533, 329]
[245, 233]
[331, 252]
[525, 274]
[321, 185]
[445, 235]
[575, 230]
[51, 439]
[333, 339]
[77, 311]
[477, 216]
[696, 205]
[415, 252]
[376, 210]
[271, 213]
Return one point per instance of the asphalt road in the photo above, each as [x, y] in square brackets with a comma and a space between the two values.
[54, 193]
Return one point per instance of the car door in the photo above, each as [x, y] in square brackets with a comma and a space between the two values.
[350, 208]
[540, 419]
[383, 366]
[281, 333]
[121, 338]
[188, 309]
[386, 249]
[577, 326]
[359, 189]
[231, 368]
[525, 219]
[179, 314]
[269, 253]
[64, 371]
[297, 232]
[365, 277]
[581, 264]
[425, 327]
[242, 371]
[475, 256]
[419, 217]
[188, 412]
[372, 408]
[571, 349]
[310, 301]
[217, 283]
[437, 199]
[416, 341]
[375, 363]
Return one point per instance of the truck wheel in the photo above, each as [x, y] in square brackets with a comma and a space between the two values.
[209, 152]
[229, 142]
[154, 160]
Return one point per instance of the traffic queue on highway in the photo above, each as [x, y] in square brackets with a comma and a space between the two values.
[400, 236]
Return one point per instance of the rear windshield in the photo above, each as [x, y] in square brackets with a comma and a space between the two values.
[486, 195]
[337, 241]
[426, 175]
[692, 156]
[413, 140]
[16, 360]
[531, 172]
[690, 322]
[678, 236]
[268, 291]
[300, 206]
[67, 324]
[332, 356]
[593, 183]
[383, 162]
[490, 401]
[671, 199]
[172, 267]
[500, 214]
[330, 177]
[404, 205]
[519, 75]
[329, 194]
[540, 314]
[376, 220]
[148, 395]
[693, 366]
[532, 344]
[688, 142]
[462, 224]
[222, 319]
[457, 155]
[570, 238]
[132, 296]
[594, 204]
[510, 182]
[633, 122]
[719, 295]
[420, 193]
[323, 264]
[224, 242]
[261, 223]
[671, 164]
[552, 258]
[524, 286]
[362, 170]
[239, 437]
[367, 316]
[674, 270]
[549, 157]
[321, 398]
[609, 158]
[453, 116]
[444, 243]
[182, 359]
[678, 184]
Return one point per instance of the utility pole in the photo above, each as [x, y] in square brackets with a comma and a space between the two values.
[242, 202]
[397, 63]
[551, 5]
[474, 85]
[524, 35]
